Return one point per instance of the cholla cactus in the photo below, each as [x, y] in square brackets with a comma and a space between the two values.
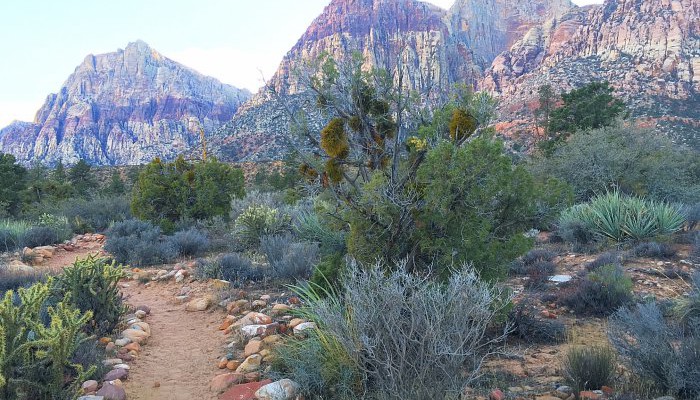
[93, 282]
[35, 358]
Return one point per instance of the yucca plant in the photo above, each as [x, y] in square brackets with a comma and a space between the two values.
[620, 217]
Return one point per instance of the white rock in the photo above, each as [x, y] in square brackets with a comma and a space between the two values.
[299, 329]
[560, 278]
[285, 389]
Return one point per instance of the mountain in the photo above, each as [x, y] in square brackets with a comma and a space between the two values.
[649, 50]
[432, 48]
[126, 107]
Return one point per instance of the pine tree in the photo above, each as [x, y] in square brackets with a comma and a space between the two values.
[82, 179]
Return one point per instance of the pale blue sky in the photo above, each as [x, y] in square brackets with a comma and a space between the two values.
[42, 41]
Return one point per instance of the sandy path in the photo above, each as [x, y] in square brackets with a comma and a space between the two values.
[182, 353]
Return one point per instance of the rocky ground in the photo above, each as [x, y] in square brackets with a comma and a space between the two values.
[192, 339]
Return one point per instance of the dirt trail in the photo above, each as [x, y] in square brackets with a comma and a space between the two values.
[180, 358]
[63, 259]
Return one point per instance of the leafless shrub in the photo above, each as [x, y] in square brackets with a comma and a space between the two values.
[409, 336]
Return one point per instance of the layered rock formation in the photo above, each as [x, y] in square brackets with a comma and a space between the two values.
[126, 107]
[431, 48]
[648, 50]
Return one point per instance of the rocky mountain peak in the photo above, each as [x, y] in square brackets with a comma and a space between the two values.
[124, 107]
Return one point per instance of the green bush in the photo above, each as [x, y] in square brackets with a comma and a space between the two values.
[258, 221]
[602, 292]
[618, 217]
[476, 186]
[168, 192]
[328, 272]
[589, 367]
[633, 160]
[93, 286]
[12, 184]
[36, 358]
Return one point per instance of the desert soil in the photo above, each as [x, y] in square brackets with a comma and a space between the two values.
[180, 358]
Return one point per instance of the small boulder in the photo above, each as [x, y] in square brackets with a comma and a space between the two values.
[251, 364]
[112, 392]
[279, 309]
[285, 389]
[224, 381]
[201, 304]
[89, 387]
[497, 394]
[244, 391]
[253, 347]
[119, 373]
[136, 335]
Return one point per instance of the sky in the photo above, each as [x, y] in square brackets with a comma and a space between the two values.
[235, 41]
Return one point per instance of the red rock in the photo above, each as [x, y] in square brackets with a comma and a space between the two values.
[245, 391]
[222, 382]
[497, 394]
[588, 395]
[232, 365]
[608, 390]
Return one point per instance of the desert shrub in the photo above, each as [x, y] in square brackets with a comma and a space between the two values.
[36, 358]
[59, 224]
[589, 367]
[259, 221]
[687, 308]
[138, 243]
[93, 284]
[575, 232]
[653, 250]
[96, 214]
[695, 247]
[537, 265]
[601, 292]
[692, 216]
[39, 236]
[239, 205]
[191, 242]
[636, 161]
[167, 192]
[539, 272]
[526, 325]
[13, 280]
[237, 268]
[385, 334]
[618, 217]
[11, 233]
[660, 351]
[607, 258]
[536, 255]
[221, 237]
[289, 259]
